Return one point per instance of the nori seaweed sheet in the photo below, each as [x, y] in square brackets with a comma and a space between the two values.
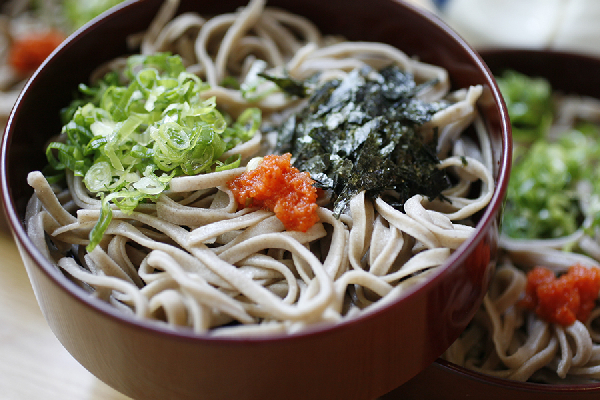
[361, 133]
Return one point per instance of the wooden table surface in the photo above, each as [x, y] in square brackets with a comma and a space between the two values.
[33, 363]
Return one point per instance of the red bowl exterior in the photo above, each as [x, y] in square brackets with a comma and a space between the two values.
[569, 73]
[359, 359]
[456, 383]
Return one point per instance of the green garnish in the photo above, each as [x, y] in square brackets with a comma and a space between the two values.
[542, 200]
[542, 197]
[80, 12]
[128, 140]
[361, 133]
[529, 104]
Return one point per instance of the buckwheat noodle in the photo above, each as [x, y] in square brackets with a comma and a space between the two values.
[194, 260]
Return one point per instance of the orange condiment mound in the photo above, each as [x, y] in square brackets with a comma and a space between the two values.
[277, 186]
[28, 53]
[562, 300]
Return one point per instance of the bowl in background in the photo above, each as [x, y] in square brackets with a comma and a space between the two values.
[362, 358]
[570, 73]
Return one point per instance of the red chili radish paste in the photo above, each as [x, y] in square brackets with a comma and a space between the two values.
[277, 186]
[564, 299]
[28, 53]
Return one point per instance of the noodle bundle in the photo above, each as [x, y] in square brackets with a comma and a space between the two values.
[507, 339]
[194, 258]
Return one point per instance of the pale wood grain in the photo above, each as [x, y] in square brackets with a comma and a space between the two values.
[33, 363]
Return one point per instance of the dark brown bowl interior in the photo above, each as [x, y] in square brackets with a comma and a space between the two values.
[569, 73]
[360, 359]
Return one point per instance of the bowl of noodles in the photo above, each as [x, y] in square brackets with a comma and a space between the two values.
[537, 330]
[234, 199]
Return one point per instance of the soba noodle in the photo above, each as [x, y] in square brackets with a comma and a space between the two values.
[508, 341]
[194, 260]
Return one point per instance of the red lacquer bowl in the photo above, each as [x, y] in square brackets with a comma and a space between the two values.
[359, 359]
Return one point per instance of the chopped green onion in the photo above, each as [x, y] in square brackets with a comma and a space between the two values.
[79, 12]
[529, 104]
[128, 140]
[543, 200]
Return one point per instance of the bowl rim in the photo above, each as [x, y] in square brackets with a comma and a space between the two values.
[70, 288]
